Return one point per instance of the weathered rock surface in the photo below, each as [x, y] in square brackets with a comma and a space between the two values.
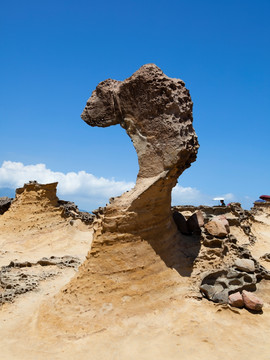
[236, 300]
[216, 227]
[37, 206]
[236, 269]
[136, 243]
[251, 301]
[245, 265]
[225, 222]
[217, 286]
[5, 203]
[71, 210]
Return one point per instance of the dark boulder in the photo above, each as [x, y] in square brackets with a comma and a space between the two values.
[181, 223]
[5, 203]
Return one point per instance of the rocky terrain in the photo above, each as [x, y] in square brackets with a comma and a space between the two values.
[35, 230]
[156, 282]
[186, 322]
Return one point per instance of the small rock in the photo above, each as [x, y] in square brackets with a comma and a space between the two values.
[195, 222]
[181, 222]
[216, 227]
[236, 300]
[225, 222]
[245, 265]
[266, 257]
[251, 301]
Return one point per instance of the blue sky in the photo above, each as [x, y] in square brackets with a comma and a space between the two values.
[54, 53]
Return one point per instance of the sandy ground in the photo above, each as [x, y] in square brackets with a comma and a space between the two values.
[186, 328]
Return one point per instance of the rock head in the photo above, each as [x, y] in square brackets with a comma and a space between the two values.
[136, 242]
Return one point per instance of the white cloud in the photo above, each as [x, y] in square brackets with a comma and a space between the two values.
[87, 190]
[187, 196]
[87, 187]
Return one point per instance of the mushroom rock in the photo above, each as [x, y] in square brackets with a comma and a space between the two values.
[136, 242]
[156, 112]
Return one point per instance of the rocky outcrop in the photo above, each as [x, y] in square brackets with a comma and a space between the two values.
[223, 265]
[136, 241]
[36, 234]
[70, 209]
[235, 271]
[233, 212]
[156, 112]
[37, 206]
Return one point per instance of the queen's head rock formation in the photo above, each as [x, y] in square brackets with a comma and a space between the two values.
[136, 252]
[156, 112]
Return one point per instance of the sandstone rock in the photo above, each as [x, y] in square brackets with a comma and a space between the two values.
[37, 207]
[245, 265]
[156, 112]
[136, 233]
[236, 300]
[180, 222]
[251, 301]
[42, 194]
[216, 227]
[225, 222]
[195, 222]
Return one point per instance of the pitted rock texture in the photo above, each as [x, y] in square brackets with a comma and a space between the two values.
[156, 112]
[135, 242]
[70, 209]
[20, 277]
[219, 285]
[235, 270]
